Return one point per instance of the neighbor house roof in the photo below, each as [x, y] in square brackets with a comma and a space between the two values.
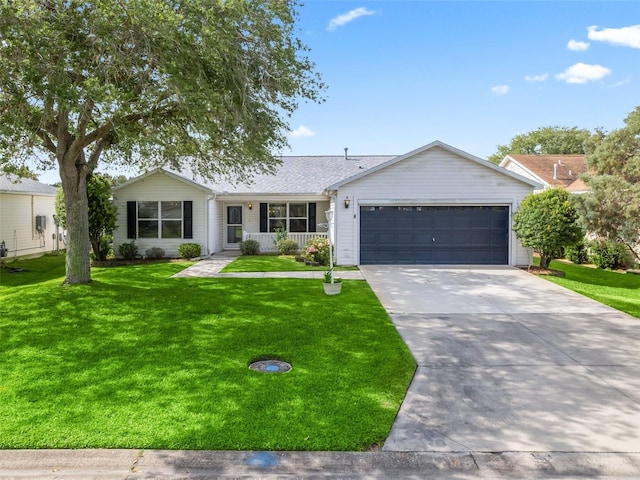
[553, 170]
[13, 184]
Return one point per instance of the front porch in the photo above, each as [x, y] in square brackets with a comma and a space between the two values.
[267, 240]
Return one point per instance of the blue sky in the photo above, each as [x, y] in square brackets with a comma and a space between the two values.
[472, 74]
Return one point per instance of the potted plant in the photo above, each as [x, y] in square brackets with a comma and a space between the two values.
[332, 286]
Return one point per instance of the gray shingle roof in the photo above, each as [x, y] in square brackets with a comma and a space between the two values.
[13, 184]
[298, 175]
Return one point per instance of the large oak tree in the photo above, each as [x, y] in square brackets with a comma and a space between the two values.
[145, 82]
[545, 141]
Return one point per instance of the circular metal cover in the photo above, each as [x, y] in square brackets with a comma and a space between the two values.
[270, 366]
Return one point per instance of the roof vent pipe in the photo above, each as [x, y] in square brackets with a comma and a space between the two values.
[555, 171]
[346, 149]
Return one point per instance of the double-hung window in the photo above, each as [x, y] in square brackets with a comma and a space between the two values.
[159, 219]
[292, 217]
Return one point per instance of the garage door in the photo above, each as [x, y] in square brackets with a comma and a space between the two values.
[443, 235]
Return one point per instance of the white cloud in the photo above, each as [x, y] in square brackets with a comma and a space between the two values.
[625, 36]
[622, 82]
[537, 78]
[302, 132]
[500, 89]
[350, 16]
[577, 46]
[583, 73]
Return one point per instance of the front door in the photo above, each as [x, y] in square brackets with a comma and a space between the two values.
[234, 224]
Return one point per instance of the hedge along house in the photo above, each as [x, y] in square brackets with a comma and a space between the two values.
[434, 205]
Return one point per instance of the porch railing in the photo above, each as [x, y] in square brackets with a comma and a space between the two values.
[267, 241]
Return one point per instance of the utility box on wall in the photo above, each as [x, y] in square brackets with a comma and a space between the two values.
[41, 223]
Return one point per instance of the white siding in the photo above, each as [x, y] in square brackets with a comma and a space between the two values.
[163, 187]
[215, 226]
[433, 177]
[17, 224]
[520, 170]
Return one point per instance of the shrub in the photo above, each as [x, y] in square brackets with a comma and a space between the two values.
[606, 254]
[317, 250]
[577, 253]
[189, 250]
[250, 247]
[281, 234]
[287, 247]
[154, 253]
[106, 248]
[547, 223]
[128, 250]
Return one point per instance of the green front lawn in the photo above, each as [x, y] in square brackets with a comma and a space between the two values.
[141, 360]
[273, 263]
[618, 290]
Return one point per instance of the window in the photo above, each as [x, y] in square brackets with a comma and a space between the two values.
[297, 217]
[292, 217]
[160, 219]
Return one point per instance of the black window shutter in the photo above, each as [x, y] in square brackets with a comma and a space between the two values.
[264, 226]
[187, 219]
[131, 219]
[312, 217]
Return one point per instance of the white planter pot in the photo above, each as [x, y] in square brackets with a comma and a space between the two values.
[332, 288]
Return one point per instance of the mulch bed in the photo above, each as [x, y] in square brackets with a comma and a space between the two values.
[137, 261]
[543, 271]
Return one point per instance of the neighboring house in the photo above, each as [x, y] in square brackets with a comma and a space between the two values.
[434, 205]
[550, 170]
[26, 216]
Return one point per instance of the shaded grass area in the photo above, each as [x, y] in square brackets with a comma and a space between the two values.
[618, 290]
[141, 360]
[273, 263]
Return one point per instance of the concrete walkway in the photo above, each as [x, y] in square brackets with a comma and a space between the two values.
[516, 378]
[211, 267]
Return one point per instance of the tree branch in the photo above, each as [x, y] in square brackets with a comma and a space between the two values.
[85, 118]
[62, 134]
[48, 143]
[95, 155]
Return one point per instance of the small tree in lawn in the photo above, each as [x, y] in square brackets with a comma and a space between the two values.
[102, 212]
[547, 222]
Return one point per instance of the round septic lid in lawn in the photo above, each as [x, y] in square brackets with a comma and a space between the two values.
[270, 366]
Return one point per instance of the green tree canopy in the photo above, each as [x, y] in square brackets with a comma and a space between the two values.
[210, 83]
[611, 209]
[547, 222]
[545, 141]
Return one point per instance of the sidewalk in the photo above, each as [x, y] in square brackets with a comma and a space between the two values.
[181, 464]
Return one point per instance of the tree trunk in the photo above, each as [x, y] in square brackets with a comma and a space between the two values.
[78, 262]
[545, 260]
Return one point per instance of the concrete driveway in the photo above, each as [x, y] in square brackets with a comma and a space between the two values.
[508, 362]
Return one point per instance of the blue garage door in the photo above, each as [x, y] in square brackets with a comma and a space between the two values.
[444, 235]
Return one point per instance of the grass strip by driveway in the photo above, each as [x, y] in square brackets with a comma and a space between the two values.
[141, 360]
[618, 290]
[273, 263]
